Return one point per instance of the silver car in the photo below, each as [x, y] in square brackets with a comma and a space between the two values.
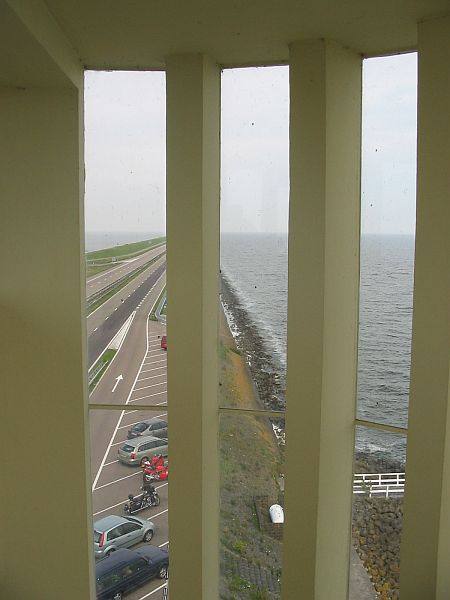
[155, 426]
[137, 451]
[114, 532]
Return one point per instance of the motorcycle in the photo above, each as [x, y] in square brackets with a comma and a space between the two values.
[156, 469]
[148, 498]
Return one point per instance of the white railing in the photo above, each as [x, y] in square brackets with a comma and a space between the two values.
[377, 484]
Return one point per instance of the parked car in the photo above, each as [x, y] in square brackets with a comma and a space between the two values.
[126, 570]
[164, 342]
[141, 449]
[114, 532]
[156, 427]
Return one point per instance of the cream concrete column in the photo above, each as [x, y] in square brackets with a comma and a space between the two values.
[425, 552]
[325, 146]
[42, 297]
[193, 118]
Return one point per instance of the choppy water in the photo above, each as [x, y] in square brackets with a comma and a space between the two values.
[256, 266]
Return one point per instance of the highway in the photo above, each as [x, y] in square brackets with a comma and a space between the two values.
[97, 282]
[137, 375]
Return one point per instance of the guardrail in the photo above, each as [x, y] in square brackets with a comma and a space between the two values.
[95, 371]
[379, 484]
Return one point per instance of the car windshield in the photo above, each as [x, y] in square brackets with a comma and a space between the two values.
[139, 427]
[127, 448]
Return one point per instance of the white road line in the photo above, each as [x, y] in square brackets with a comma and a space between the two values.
[156, 362]
[116, 480]
[153, 377]
[110, 463]
[163, 544]
[149, 396]
[152, 385]
[99, 512]
[96, 329]
[153, 592]
[150, 370]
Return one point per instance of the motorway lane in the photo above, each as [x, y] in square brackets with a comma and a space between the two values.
[99, 339]
[140, 353]
[96, 318]
[101, 280]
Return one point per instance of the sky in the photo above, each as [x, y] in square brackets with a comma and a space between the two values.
[125, 149]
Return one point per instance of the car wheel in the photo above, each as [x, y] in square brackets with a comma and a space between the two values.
[157, 500]
[109, 552]
[118, 596]
[162, 572]
[148, 535]
[143, 461]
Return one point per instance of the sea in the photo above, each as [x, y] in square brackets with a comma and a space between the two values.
[256, 267]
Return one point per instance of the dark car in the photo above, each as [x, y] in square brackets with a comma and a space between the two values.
[156, 427]
[125, 570]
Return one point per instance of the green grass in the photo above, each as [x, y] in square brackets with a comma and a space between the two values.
[126, 250]
[105, 359]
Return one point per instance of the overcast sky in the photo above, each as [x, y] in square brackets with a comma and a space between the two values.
[125, 149]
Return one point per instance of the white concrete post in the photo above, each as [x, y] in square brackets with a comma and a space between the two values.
[425, 552]
[193, 119]
[325, 146]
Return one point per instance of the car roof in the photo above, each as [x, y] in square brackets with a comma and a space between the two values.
[143, 439]
[152, 420]
[121, 555]
[108, 522]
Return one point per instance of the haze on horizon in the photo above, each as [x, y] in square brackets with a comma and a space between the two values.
[125, 149]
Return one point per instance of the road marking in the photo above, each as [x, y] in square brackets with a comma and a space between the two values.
[153, 385]
[154, 591]
[150, 395]
[116, 480]
[152, 377]
[150, 370]
[118, 379]
[163, 544]
[110, 463]
[107, 317]
[155, 362]
[96, 329]
[99, 512]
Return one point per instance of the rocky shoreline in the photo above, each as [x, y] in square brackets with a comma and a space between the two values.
[269, 383]
[377, 522]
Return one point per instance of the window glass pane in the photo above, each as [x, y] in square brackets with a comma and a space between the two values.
[251, 489]
[378, 490]
[387, 241]
[125, 236]
[254, 221]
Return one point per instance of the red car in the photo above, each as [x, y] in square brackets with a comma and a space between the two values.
[164, 342]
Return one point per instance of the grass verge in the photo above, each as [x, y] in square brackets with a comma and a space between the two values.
[250, 462]
[102, 364]
[126, 250]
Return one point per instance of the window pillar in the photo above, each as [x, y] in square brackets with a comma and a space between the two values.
[193, 118]
[425, 548]
[46, 492]
[325, 146]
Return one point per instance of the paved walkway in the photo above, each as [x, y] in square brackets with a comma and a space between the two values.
[361, 587]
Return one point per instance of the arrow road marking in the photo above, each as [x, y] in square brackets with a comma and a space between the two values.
[117, 382]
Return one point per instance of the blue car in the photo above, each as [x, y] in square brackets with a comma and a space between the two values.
[125, 570]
